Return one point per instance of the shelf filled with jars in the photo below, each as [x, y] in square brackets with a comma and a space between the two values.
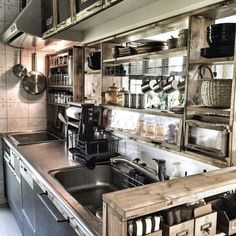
[65, 82]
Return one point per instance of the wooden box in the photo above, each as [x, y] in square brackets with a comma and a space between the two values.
[157, 233]
[206, 225]
[183, 229]
[226, 220]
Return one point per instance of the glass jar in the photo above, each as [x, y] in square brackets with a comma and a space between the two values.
[150, 128]
[111, 96]
[141, 127]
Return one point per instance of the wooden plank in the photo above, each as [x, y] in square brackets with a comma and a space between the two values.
[156, 197]
[115, 227]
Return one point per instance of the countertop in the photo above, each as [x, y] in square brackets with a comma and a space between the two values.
[46, 157]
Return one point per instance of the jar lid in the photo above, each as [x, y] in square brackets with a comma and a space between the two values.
[114, 88]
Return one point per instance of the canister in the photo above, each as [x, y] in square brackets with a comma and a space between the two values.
[132, 100]
[140, 101]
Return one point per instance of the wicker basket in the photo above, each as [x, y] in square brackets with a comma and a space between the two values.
[216, 92]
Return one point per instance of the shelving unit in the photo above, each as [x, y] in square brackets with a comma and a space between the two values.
[65, 84]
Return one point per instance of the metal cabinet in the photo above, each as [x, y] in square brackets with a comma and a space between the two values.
[28, 206]
[13, 191]
[49, 221]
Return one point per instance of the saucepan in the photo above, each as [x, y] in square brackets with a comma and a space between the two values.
[19, 70]
[34, 82]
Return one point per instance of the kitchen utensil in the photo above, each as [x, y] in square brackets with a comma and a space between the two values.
[172, 42]
[147, 84]
[34, 82]
[157, 87]
[170, 85]
[181, 85]
[19, 70]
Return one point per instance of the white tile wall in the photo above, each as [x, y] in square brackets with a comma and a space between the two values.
[19, 111]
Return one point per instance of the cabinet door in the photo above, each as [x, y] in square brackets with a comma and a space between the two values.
[49, 221]
[28, 199]
[13, 192]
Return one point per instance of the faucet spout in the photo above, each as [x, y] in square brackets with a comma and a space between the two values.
[136, 166]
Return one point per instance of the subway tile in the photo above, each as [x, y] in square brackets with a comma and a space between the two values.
[17, 110]
[3, 110]
[3, 125]
[11, 12]
[2, 63]
[12, 2]
[17, 94]
[15, 125]
[3, 94]
[37, 124]
[2, 46]
[11, 60]
[37, 110]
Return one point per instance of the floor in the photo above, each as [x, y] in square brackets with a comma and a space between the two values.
[8, 225]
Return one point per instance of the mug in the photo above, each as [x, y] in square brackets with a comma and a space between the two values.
[147, 84]
[170, 85]
[157, 87]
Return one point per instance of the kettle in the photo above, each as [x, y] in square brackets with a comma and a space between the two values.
[112, 95]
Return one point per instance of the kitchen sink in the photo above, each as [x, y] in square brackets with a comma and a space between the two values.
[88, 185]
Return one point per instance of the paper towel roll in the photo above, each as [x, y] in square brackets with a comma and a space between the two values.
[73, 112]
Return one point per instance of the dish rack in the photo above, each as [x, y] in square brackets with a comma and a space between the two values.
[101, 148]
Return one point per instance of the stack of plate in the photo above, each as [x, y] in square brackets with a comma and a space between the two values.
[151, 46]
[221, 38]
[120, 51]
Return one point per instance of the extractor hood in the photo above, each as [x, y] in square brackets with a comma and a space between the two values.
[26, 30]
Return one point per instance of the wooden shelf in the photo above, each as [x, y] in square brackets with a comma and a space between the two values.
[92, 72]
[147, 140]
[57, 104]
[148, 55]
[58, 66]
[61, 86]
[219, 60]
[150, 111]
[201, 110]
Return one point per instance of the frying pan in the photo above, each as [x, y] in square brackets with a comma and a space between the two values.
[19, 70]
[34, 82]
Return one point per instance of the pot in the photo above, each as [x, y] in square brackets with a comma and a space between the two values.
[19, 70]
[170, 85]
[157, 87]
[147, 84]
[34, 82]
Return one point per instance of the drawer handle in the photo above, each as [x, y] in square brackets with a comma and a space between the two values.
[51, 208]
[182, 233]
[206, 227]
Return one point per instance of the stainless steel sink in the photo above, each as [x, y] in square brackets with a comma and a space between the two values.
[87, 186]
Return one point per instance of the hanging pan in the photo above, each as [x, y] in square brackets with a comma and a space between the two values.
[34, 82]
[19, 70]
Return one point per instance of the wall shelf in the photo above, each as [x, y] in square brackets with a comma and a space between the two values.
[61, 86]
[219, 60]
[150, 55]
[58, 66]
[150, 111]
[57, 104]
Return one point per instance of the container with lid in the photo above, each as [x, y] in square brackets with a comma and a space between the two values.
[112, 95]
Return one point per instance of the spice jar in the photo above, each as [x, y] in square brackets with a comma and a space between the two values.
[111, 96]
[121, 96]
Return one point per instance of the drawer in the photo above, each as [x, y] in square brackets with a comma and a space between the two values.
[183, 229]
[206, 225]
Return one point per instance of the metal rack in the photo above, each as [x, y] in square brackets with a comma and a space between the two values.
[101, 148]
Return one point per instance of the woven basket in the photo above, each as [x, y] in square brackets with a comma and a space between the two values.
[216, 92]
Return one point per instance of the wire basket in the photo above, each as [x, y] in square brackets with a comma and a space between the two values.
[216, 92]
[99, 149]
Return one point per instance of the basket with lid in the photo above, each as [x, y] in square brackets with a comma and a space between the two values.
[214, 92]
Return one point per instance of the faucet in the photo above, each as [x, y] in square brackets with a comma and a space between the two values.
[136, 166]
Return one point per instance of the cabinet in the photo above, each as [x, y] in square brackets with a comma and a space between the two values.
[202, 118]
[49, 221]
[28, 200]
[65, 84]
[61, 14]
[13, 191]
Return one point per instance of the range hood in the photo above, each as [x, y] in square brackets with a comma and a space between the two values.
[26, 30]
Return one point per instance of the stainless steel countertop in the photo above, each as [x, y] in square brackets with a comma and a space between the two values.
[45, 157]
